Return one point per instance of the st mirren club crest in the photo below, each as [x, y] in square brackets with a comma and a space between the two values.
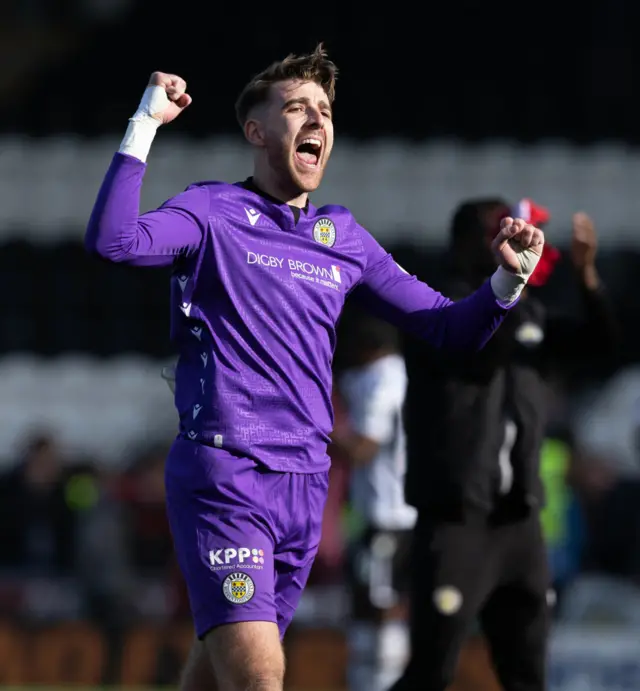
[238, 588]
[324, 232]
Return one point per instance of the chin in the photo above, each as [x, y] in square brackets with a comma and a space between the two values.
[307, 181]
[308, 186]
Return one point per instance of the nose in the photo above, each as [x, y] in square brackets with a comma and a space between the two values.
[316, 118]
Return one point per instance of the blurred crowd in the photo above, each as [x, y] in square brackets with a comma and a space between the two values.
[80, 540]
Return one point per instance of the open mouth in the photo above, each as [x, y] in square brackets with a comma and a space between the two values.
[308, 151]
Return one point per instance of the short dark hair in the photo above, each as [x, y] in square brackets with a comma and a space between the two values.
[314, 67]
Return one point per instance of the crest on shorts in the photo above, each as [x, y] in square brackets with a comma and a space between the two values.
[324, 232]
[238, 588]
[447, 599]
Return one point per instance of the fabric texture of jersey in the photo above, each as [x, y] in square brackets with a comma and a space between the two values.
[256, 295]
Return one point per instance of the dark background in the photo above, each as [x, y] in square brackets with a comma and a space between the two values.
[468, 70]
[472, 70]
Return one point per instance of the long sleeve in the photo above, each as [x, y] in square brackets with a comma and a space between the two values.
[118, 233]
[392, 294]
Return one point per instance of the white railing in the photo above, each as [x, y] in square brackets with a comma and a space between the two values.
[398, 190]
[104, 409]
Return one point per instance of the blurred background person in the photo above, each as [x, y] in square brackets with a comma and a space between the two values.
[81, 344]
[125, 553]
[38, 522]
[606, 587]
[475, 429]
[372, 440]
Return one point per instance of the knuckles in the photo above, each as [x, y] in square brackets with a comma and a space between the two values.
[158, 78]
[167, 80]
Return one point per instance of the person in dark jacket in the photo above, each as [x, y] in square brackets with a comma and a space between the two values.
[37, 521]
[475, 425]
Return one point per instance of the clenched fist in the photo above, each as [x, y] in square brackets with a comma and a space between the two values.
[518, 246]
[164, 98]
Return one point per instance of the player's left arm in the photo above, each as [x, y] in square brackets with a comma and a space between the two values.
[392, 294]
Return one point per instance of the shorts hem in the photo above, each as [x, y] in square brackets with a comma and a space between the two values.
[202, 629]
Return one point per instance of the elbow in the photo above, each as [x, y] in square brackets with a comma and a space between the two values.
[101, 242]
[91, 245]
[99, 251]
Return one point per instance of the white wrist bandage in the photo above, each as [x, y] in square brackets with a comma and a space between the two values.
[143, 126]
[507, 286]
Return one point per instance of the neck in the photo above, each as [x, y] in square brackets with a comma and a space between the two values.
[268, 184]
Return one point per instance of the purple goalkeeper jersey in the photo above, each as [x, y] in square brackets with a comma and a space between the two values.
[257, 290]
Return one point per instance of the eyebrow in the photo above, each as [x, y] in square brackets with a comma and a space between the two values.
[304, 101]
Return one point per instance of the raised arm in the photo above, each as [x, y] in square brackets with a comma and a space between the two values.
[116, 230]
[597, 335]
[391, 293]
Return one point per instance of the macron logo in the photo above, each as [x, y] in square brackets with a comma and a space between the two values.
[252, 215]
[335, 272]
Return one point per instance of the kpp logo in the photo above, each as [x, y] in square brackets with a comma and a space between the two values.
[231, 555]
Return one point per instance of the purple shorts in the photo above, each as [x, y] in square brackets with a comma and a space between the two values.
[245, 536]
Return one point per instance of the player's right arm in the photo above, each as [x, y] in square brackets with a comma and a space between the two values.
[116, 230]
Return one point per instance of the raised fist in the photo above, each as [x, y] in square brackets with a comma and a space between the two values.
[164, 98]
[518, 246]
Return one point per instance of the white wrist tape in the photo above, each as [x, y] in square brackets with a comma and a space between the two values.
[506, 285]
[138, 138]
[143, 125]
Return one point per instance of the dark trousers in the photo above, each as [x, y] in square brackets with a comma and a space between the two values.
[478, 570]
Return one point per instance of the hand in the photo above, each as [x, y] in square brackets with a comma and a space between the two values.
[164, 98]
[584, 242]
[518, 246]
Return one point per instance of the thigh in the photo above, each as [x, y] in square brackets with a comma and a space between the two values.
[454, 568]
[290, 582]
[453, 572]
[298, 500]
[223, 540]
[516, 617]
